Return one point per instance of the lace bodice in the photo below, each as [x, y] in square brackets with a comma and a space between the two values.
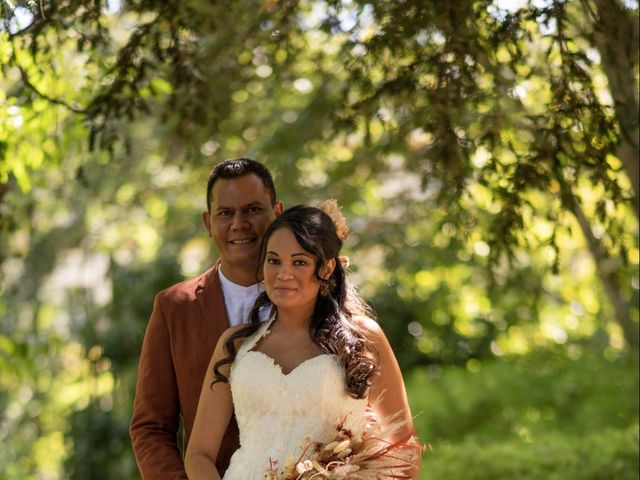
[277, 412]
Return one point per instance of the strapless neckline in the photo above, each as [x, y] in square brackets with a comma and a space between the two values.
[300, 366]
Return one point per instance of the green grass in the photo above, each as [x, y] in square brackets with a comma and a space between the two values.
[603, 455]
[546, 415]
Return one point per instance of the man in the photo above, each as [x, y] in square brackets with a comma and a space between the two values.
[188, 318]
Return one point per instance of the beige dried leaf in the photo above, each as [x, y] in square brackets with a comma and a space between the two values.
[331, 208]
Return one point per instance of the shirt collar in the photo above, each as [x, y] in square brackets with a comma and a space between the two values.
[230, 286]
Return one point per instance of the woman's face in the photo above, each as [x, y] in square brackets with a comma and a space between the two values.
[289, 274]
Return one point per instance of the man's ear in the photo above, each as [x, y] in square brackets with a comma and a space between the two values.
[206, 219]
[278, 208]
[328, 268]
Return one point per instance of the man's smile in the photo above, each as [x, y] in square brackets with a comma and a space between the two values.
[241, 241]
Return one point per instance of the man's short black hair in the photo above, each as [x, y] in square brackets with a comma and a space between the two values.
[239, 167]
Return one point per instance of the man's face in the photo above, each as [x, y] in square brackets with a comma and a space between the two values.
[241, 211]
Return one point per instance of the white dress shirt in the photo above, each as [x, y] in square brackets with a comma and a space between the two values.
[239, 299]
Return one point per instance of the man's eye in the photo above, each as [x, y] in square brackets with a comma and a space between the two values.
[224, 213]
[254, 210]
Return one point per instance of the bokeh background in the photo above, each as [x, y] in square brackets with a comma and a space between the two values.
[484, 152]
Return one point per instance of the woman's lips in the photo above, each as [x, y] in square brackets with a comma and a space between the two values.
[284, 289]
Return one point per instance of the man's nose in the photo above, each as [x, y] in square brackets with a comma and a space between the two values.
[239, 220]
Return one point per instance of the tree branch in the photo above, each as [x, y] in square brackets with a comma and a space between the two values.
[57, 101]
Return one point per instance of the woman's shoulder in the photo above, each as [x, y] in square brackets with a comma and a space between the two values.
[372, 331]
[221, 347]
[231, 330]
[251, 333]
[369, 327]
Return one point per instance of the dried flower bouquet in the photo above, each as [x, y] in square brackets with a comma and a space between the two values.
[368, 456]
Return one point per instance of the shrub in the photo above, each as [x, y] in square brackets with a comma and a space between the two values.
[605, 455]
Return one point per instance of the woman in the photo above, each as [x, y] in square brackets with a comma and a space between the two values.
[317, 358]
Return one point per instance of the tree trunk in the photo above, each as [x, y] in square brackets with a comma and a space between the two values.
[616, 38]
[606, 266]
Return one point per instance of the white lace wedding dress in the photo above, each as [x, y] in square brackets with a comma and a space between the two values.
[277, 412]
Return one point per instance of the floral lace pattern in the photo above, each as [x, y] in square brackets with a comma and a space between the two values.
[277, 412]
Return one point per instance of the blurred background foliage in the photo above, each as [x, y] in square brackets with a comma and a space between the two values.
[485, 153]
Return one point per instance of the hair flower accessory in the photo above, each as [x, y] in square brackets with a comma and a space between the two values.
[331, 208]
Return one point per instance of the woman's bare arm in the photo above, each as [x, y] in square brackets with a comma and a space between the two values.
[388, 395]
[215, 408]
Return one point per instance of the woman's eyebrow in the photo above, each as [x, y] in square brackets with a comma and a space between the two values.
[298, 254]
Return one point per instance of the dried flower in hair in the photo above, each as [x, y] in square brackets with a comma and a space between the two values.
[331, 208]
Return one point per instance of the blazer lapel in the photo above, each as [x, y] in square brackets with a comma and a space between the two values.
[211, 300]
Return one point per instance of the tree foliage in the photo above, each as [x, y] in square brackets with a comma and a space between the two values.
[465, 93]
[486, 157]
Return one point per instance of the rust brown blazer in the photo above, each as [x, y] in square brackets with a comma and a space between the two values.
[185, 325]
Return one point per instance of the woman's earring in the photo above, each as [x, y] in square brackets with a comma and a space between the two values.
[324, 288]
